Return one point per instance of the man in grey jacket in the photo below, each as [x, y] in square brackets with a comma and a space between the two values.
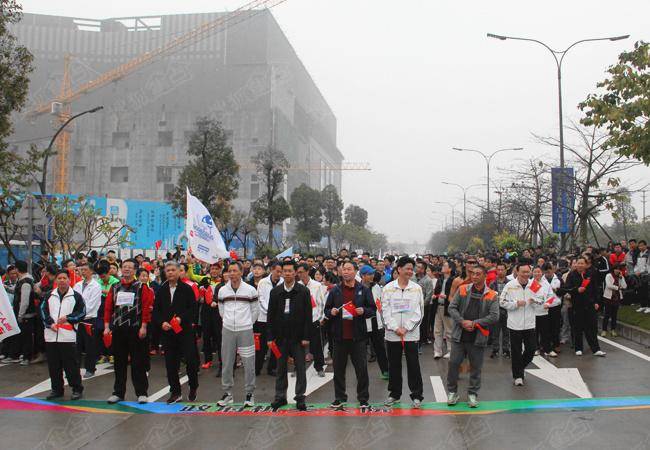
[474, 309]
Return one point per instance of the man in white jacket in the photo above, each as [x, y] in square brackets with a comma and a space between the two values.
[87, 338]
[402, 310]
[264, 293]
[517, 298]
[317, 293]
[239, 309]
[61, 312]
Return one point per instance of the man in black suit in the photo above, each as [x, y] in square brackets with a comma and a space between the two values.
[175, 305]
[289, 326]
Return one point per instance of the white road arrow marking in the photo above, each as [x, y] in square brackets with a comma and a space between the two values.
[164, 391]
[567, 379]
[624, 348]
[46, 386]
[314, 382]
[439, 391]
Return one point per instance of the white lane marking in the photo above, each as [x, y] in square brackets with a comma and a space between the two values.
[46, 386]
[164, 391]
[439, 391]
[624, 348]
[314, 382]
[568, 379]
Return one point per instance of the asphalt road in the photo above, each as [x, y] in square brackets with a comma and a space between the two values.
[509, 416]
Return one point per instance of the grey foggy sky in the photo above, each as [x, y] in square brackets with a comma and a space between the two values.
[408, 80]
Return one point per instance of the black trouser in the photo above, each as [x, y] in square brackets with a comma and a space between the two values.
[211, 325]
[585, 322]
[177, 346]
[296, 350]
[555, 317]
[126, 343]
[500, 330]
[394, 350]
[316, 346]
[25, 340]
[62, 357]
[39, 336]
[377, 340]
[643, 291]
[356, 350]
[260, 327]
[521, 359]
[611, 314]
[87, 343]
[543, 332]
[425, 325]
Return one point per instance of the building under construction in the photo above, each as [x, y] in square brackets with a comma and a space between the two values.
[243, 72]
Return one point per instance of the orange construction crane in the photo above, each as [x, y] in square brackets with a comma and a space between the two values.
[61, 106]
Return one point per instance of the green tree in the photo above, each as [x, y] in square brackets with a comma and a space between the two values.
[306, 209]
[16, 172]
[212, 174]
[624, 106]
[356, 215]
[332, 206]
[271, 208]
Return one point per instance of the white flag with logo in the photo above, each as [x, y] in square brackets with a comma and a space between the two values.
[202, 234]
[8, 323]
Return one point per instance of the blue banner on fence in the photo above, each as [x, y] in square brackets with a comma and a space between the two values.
[563, 197]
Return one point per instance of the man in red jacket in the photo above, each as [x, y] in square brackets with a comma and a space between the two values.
[127, 312]
[617, 257]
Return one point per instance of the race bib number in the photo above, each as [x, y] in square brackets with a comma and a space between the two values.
[287, 305]
[125, 299]
[401, 306]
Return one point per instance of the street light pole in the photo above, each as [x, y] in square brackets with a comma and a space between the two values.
[558, 63]
[465, 189]
[453, 211]
[43, 184]
[488, 159]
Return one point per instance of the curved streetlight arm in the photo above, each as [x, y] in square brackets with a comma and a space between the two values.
[504, 150]
[49, 147]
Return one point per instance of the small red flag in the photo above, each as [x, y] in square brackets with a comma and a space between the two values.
[349, 307]
[276, 350]
[549, 302]
[158, 244]
[89, 329]
[256, 336]
[483, 331]
[233, 255]
[108, 340]
[378, 304]
[66, 326]
[585, 282]
[403, 343]
[313, 302]
[535, 286]
[175, 325]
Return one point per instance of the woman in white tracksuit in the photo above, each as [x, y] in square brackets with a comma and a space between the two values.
[543, 299]
[61, 313]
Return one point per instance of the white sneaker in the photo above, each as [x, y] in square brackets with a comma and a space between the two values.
[552, 354]
[640, 310]
[519, 382]
[452, 398]
[447, 355]
[250, 401]
[114, 399]
[226, 400]
[417, 403]
[647, 311]
[579, 353]
[143, 399]
[536, 352]
[390, 401]
[437, 355]
[600, 353]
[472, 401]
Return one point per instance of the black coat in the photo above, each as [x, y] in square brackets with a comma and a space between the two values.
[362, 298]
[183, 305]
[579, 300]
[299, 326]
[438, 290]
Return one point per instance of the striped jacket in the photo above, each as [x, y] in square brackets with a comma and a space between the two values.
[239, 308]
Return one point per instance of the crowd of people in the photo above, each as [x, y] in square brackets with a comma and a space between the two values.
[274, 317]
